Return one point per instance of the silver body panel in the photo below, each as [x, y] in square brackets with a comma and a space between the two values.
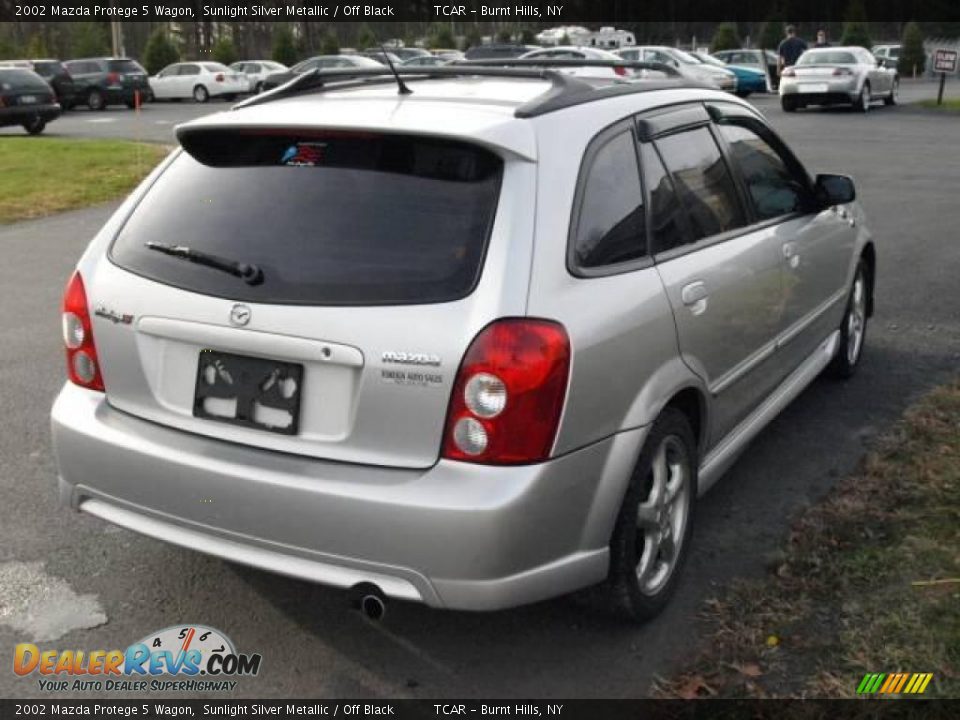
[360, 495]
[813, 81]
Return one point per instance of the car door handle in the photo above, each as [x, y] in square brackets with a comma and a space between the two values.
[694, 296]
[791, 254]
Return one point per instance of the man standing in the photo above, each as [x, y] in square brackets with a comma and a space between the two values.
[790, 50]
[821, 39]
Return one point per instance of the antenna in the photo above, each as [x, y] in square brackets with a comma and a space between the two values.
[401, 85]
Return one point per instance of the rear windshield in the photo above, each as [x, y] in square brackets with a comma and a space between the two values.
[125, 66]
[827, 58]
[331, 219]
[48, 68]
[17, 79]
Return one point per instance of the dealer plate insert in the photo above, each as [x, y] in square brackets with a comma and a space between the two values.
[248, 391]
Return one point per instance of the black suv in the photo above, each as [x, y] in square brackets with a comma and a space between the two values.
[54, 73]
[26, 99]
[100, 82]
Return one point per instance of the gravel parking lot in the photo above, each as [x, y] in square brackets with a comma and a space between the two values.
[312, 644]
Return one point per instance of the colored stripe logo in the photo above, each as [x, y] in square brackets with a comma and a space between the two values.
[894, 683]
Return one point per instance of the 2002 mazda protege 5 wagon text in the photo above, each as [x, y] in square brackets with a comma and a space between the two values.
[476, 344]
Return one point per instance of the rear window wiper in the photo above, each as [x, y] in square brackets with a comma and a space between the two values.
[250, 274]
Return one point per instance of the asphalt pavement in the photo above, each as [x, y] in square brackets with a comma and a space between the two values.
[106, 588]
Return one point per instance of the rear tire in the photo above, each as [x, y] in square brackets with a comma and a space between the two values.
[652, 533]
[200, 94]
[35, 126]
[853, 329]
[894, 97]
[258, 89]
[788, 103]
[96, 100]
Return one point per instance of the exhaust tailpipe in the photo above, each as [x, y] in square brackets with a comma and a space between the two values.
[369, 600]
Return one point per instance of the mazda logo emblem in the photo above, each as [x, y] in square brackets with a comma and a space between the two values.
[240, 315]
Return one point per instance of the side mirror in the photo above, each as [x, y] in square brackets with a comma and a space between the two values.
[881, 62]
[834, 190]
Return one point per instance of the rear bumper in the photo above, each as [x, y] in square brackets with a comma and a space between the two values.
[837, 92]
[454, 535]
[19, 114]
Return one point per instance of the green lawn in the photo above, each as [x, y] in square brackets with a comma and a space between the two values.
[949, 104]
[868, 582]
[47, 175]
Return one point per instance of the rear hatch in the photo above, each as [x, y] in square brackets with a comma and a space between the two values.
[56, 74]
[326, 299]
[129, 74]
[21, 88]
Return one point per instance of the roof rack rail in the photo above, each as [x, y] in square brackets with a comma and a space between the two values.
[337, 79]
[566, 90]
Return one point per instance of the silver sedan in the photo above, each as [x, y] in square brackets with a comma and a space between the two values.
[838, 76]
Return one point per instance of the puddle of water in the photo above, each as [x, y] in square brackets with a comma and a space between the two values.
[41, 606]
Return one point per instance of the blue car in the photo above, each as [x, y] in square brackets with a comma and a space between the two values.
[749, 80]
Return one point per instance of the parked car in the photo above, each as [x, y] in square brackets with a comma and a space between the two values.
[890, 54]
[572, 52]
[497, 50]
[99, 82]
[749, 80]
[401, 53]
[198, 80]
[56, 75]
[764, 60]
[256, 71]
[381, 57]
[320, 62]
[424, 61]
[475, 353]
[684, 62]
[26, 99]
[838, 75]
[447, 54]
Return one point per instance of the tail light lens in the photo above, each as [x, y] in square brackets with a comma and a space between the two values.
[509, 394]
[789, 72]
[620, 70]
[843, 71]
[219, 77]
[114, 78]
[83, 365]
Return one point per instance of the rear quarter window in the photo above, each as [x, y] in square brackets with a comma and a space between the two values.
[330, 219]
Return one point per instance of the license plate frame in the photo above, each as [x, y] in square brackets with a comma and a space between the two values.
[251, 381]
[28, 100]
[814, 88]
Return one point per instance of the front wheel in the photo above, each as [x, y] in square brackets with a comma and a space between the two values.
[96, 100]
[894, 97]
[853, 329]
[652, 534]
[200, 94]
[258, 89]
[35, 125]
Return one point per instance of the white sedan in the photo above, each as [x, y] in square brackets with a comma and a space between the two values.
[576, 52]
[198, 80]
[256, 71]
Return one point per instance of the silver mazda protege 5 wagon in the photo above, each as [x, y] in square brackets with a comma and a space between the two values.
[470, 336]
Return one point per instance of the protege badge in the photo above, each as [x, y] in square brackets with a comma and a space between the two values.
[403, 358]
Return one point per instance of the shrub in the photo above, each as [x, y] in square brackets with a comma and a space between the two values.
[725, 38]
[159, 52]
[284, 50]
[224, 51]
[912, 56]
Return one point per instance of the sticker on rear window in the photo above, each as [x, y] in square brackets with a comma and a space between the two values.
[303, 154]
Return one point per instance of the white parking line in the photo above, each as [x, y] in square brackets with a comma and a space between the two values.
[102, 120]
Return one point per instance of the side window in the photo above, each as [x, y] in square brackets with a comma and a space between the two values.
[666, 221]
[773, 188]
[251, 68]
[189, 70]
[611, 227]
[702, 181]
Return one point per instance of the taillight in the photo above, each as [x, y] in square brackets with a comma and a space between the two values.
[789, 72]
[219, 77]
[509, 394]
[843, 71]
[620, 70]
[114, 78]
[83, 365]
